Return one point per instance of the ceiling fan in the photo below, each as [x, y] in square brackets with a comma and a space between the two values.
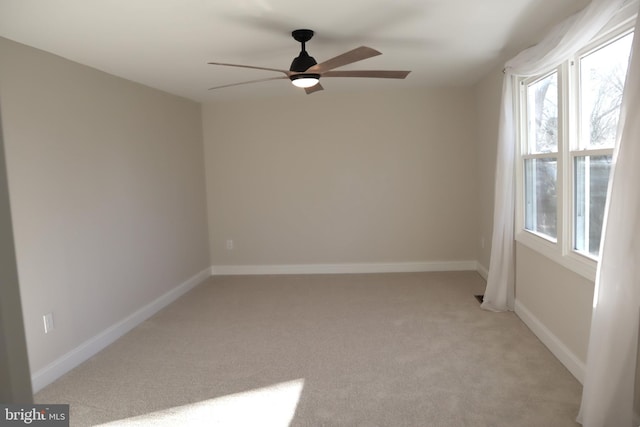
[305, 72]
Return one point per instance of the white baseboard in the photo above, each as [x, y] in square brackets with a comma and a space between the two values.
[89, 348]
[482, 270]
[397, 267]
[553, 343]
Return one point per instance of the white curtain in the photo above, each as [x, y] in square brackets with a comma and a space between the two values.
[561, 42]
[499, 294]
[608, 394]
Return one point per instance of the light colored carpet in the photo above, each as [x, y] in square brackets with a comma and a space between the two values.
[333, 350]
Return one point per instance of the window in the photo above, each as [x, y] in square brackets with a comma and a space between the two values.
[601, 79]
[541, 157]
[568, 120]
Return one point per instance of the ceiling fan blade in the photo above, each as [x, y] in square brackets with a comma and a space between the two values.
[381, 74]
[250, 81]
[315, 88]
[355, 55]
[286, 73]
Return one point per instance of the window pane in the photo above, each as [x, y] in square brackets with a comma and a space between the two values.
[602, 76]
[542, 115]
[590, 194]
[540, 196]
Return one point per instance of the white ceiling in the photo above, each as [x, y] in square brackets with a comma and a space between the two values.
[166, 44]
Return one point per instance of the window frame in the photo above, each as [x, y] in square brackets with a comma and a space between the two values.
[561, 250]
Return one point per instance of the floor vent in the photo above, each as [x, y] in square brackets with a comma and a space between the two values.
[480, 298]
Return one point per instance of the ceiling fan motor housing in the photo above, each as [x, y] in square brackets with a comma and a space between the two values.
[302, 62]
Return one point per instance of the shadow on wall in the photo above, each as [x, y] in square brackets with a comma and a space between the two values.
[15, 382]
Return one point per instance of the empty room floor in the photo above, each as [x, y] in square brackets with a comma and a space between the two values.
[406, 349]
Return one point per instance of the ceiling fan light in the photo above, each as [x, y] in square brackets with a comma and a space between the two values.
[305, 80]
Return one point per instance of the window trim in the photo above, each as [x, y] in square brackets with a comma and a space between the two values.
[561, 249]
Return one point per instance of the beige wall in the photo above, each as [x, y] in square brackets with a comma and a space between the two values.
[560, 299]
[488, 97]
[106, 180]
[326, 178]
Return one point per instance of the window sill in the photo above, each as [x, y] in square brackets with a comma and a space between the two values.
[579, 264]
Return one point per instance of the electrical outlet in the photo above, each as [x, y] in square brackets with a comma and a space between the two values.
[48, 323]
[229, 245]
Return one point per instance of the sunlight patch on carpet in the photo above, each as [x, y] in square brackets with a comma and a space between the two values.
[272, 406]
